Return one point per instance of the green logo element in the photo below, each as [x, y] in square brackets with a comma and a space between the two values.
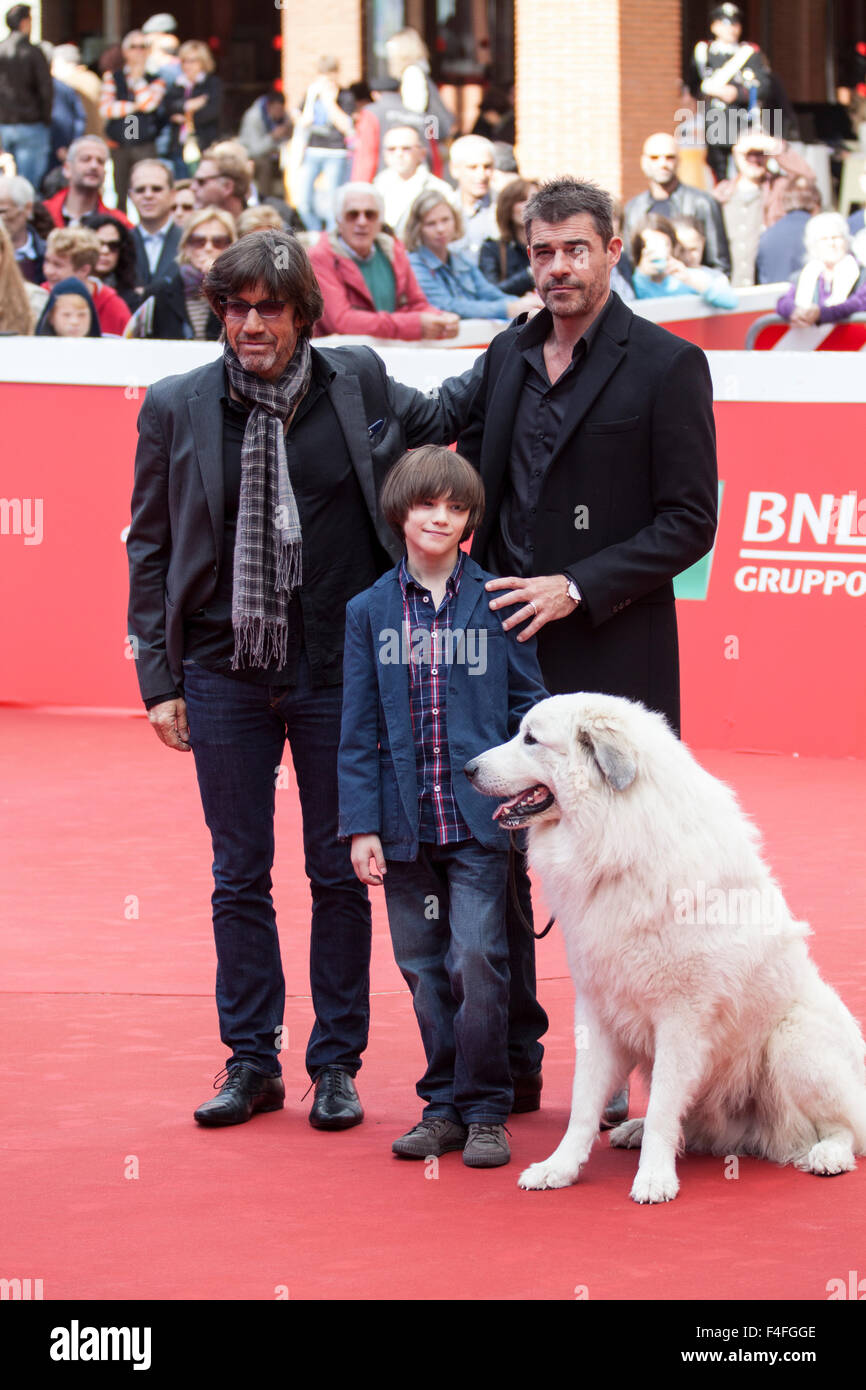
[695, 581]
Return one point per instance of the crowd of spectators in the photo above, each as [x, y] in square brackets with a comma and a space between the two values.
[130, 184]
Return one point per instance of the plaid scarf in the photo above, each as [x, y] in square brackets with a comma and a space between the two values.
[267, 564]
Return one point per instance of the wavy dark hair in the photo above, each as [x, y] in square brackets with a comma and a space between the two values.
[274, 259]
[560, 199]
[123, 278]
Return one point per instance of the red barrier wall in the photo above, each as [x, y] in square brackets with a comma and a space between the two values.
[774, 670]
[761, 669]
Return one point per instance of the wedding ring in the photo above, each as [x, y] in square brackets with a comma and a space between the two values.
[534, 609]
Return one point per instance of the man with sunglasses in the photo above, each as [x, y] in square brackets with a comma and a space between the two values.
[665, 195]
[365, 277]
[157, 236]
[132, 107]
[254, 521]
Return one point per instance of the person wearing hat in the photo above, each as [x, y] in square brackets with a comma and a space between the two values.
[732, 78]
[159, 24]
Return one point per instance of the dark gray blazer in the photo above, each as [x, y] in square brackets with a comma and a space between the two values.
[167, 257]
[175, 539]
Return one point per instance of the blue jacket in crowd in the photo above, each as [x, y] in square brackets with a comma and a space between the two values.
[458, 286]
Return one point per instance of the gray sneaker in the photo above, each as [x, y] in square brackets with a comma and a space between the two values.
[430, 1138]
[486, 1147]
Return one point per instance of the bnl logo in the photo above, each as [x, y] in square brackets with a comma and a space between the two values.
[21, 1289]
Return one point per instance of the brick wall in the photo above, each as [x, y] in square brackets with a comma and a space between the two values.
[650, 66]
[797, 47]
[593, 79]
[311, 30]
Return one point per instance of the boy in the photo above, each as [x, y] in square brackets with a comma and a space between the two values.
[430, 680]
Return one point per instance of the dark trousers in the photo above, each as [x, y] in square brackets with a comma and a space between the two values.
[527, 1021]
[446, 912]
[238, 733]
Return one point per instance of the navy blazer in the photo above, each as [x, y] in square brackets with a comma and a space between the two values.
[488, 692]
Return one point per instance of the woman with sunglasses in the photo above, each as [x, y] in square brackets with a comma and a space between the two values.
[117, 259]
[177, 308]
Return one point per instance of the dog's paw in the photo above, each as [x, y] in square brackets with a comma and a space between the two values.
[827, 1158]
[547, 1174]
[628, 1135]
[655, 1187]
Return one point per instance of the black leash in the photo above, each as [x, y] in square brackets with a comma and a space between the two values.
[513, 852]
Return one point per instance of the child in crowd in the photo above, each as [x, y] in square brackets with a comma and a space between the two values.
[74, 251]
[430, 681]
[69, 312]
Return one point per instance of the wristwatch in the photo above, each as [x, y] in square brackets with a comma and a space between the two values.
[573, 592]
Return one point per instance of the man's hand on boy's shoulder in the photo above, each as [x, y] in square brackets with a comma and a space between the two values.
[544, 599]
[366, 852]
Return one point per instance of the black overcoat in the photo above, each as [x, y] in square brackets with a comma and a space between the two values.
[637, 451]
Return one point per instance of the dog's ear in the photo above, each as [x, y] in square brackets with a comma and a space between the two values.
[614, 759]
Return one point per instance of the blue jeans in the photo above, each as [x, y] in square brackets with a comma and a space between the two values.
[334, 166]
[31, 146]
[446, 911]
[238, 733]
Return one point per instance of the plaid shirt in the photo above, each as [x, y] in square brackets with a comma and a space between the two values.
[441, 822]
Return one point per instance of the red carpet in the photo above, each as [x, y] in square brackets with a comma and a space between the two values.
[109, 1041]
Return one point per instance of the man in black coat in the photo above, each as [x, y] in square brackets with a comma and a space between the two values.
[593, 431]
[236, 651]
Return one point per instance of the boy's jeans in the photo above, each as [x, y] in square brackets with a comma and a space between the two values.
[238, 733]
[446, 912]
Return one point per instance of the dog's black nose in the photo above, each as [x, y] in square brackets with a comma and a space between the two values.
[471, 768]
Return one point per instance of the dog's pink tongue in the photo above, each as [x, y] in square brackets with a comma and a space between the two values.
[506, 806]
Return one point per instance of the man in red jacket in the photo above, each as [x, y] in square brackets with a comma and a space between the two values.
[85, 169]
[367, 283]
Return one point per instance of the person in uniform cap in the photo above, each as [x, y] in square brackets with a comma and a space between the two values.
[160, 24]
[731, 77]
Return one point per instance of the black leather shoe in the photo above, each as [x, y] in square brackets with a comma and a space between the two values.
[616, 1109]
[336, 1105]
[244, 1093]
[527, 1093]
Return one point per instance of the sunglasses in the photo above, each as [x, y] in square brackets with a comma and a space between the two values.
[150, 188]
[110, 245]
[219, 243]
[352, 214]
[266, 308]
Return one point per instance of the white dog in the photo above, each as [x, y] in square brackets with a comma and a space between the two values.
[685, 958]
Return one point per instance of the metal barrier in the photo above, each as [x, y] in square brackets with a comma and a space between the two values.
[807, 339]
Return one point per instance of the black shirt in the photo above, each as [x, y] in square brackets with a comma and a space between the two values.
[341, 554]
[540, 414]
